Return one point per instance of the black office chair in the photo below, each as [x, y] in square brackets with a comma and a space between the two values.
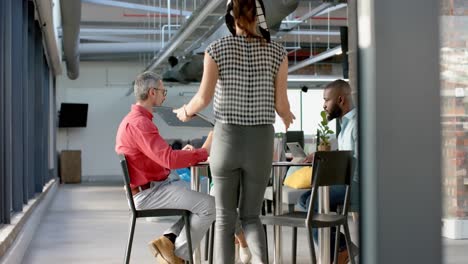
[149, 213]
[330, 168]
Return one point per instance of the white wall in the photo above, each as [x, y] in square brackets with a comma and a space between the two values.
[104, 86]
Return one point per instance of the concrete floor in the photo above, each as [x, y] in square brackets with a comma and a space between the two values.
[88, 223]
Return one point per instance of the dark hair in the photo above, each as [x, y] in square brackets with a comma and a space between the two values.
[245, 14]
[340, 85]
[176, 145]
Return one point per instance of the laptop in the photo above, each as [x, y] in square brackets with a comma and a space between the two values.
[167, 114]
[297, 152]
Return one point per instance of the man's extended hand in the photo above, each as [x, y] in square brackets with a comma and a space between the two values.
[309, 158]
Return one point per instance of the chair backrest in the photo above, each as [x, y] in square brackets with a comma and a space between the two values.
[128, 190]
[331, 168]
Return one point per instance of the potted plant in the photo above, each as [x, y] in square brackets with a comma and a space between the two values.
[324, 133]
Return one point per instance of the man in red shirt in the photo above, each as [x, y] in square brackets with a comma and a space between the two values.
[150, 161]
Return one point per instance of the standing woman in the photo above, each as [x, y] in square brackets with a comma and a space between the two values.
[247, 75]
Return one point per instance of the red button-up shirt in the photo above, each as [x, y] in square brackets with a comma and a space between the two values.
[148, 155]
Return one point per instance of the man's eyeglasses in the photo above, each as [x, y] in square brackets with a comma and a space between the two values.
[163, 90]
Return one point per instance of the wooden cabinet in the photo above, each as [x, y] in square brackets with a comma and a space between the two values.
[70, 166]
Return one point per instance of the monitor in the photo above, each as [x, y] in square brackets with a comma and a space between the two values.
[73, 115]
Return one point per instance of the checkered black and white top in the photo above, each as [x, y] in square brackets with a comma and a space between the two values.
[245, 91]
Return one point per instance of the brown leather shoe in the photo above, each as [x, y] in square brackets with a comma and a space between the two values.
[163, 249]
[343, 257]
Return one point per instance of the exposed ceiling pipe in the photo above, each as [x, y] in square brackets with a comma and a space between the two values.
[329, 18]
[316, 32]
[324, 55]
[218, 30]
[45, 17]
[71, 17]
[120, 31]
[292, 78]
[333, 8]
[148, 15]
[319, 10]
[185, 31]
[146, 8]
[275, 12]
[106, 38]
[107, 48]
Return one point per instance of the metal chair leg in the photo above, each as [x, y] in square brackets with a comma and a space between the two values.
[207, 244]
[348, 242]
[210, 252]
[311, 245]
[294, 245]
[337, 243]
[189, 237]
[266, 243]
[128, 251]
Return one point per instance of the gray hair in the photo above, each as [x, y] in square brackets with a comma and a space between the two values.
[144, 82]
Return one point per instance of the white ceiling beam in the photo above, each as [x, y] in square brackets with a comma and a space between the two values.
[139, 7]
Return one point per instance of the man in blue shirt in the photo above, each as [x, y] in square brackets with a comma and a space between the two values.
[338, 103]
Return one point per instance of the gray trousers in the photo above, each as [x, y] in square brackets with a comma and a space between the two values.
[240, 159]
[176, 194]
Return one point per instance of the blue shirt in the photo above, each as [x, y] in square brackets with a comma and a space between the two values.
[347, 139]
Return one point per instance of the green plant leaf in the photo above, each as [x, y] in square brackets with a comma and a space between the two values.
[324, 130]
[323, 114]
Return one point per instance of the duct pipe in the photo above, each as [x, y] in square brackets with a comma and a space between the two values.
[71, 17]
[132, 47]
[185, 31]
[46, 22]
[145, 8]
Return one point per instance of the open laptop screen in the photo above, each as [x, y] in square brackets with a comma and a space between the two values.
[296, 151]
